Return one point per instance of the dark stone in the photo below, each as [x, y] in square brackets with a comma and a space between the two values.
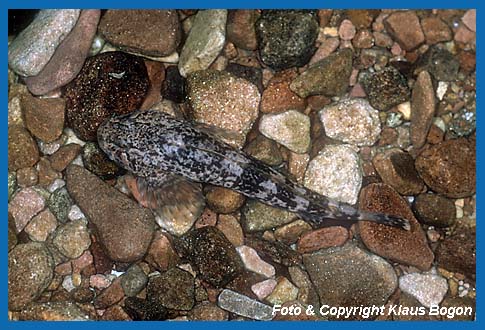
[442, 65]
[173, 87]
[251, 74]
[277, 252]
[386, 88]
[96, 161]
[142, 310]
[174, 289]
[435, 210]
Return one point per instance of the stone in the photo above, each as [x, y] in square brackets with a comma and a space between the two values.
[434, 210]
[405, 28]
[22, 149]
[156, 75]
[363, 39]
[24, 206]
[108, 83]
[274, 251]
[30, 271]
[459, 302]
[97, 162]
[72, 239]
[148, 32]
[109, 296]
[208, 311]
[428, 289]
[286, 37]
[449, 167]
[337, 275]
[44, 118]
[142, 310]
[213, 255]
[27, 177]
[290, 128]
[351, 121]
[241, 28]
[329, 76]
[406, 247]
[64, 156]
[47, 175]
[123, 227]
[59, 204]
[278, 97]
[30, 51]
[470, 19]
[242, 305]
[257, 216]
[12, 232]
[69, 57]
[327, 47]
[463, 123]
[346, 30]
[161, 254]
[264, 149]
[173, 86]
[440, 63]
[435, 30]
[283, 292]
[423, 106]
[264, 288]
[222, 100]
[41, 226]
[231, 228]
[336, 173]
[204, 42]
[254, 263]
[386, 88]
[222, 200]
[252, 74]
[396, 168]
[173, 289]
[53, 311]
[290, 233]
[322, 238]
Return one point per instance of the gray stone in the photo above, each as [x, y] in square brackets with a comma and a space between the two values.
[242, 305]
[133, 281]
[72, 239]
[428, 289]
[257, 216]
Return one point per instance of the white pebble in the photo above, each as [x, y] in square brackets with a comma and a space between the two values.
[58, 183]
[75, 213]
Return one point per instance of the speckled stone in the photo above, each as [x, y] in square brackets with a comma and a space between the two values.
[59, 204]
[27, 177]
[286, 37]
[112, 82]
[396, 168]
[250, 73]
[335, 172]
[222, 200]
[220, 99]
[290, 128]
[406, 247]
[96, 161]
[242, 305]
[435, 30]
[253, 262]
[161, 254]
[24, 206]
[214, 256]
[322, 238]
[283, 292]
[440, 63]
[142, 310]
[44, 118]
[428, 289]
[464, 122]
[205, 41]
[449, 167]
[241, 28]
[435, 210]
[173, 289]
[405, 28]
[423, 106]
[109, 296]
[148, 32]
[41, 226]
[264, 149]
[72, 239]
[351, 121]
[278, 97]
[53, 311]
[257, 216]
[231, 228]
[337, 275]
[30, 271]
[33, 47]
[64, 156]
[22, 149]
[264, 288]
[386, 88]
[329, 76]
[69, 57]
[207, 311]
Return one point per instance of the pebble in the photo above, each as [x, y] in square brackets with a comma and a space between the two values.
[264, 288]
[53, 311]
[336, 173]
[142, 310]
[363, 39]
[440, 63]
[96, 161]
[24, 206]
[204, 42]
[406, 247]
[253, 262]
[174, 289]
[123, 227]
[386, 88]
[241, 28]
[64, 156]
[458, 302]
[290, 128]
[463, 123]
[329, 76]
[470, 19]
[47, 175]
[214, 256]
[231, 228]
[286, 37]
[30, 51]
[362, 18]
[222, 100]
[173, 86]
[22, 149]
[112, 82]
[146, 32]
[337, 275]
[434, 210]
[41, 226]
[322, 238]
[457, 253]
[208, 311]
[351, 121]
[156, 75]
[222, 200]
[59, 204]
[449, 167]
[244, 306]
[278, 252]
[435, 30]
[405, 28]
[257, 216]
[396, 168]
[30, 271]
[264, 149]
[327, 47]
[464, 35]
[278, 97]
[283, 292]
[297, 164]
[346, 30]
[109, 296]
[428, 289]
[27, 177]
[72, 239]
[44, 118]
[69, 56]
[290, 233]
[423, 106]
[161, 254]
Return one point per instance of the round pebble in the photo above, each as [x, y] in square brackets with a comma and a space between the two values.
[428, 289]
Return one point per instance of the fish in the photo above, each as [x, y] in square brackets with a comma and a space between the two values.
[171, 158]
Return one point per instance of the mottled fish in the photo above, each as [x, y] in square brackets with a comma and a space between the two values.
[171, 157]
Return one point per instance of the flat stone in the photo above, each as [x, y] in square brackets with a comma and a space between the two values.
[428, 289]
[253, 262]
[257, 216]
[53, 311]
[173, 289]
[123, 227]
[242, 305]
[322, 238]
[423, 107]
[44, 118]
[69, 57]
[29, 53]
[241, 28]
[64, 156]
[204, 42]
[405, 28]
[434, 210]
[386, 88]
[22, 149]
[435, 30]
[24, 206]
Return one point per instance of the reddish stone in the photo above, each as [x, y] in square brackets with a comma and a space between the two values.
[64, 156]
[278, 97]
[240, 28]
[156, 74]
[44, 118]
[435, 30]
[322, 238]
[109, 296]
[405, 28]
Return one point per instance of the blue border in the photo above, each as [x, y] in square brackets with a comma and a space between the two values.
[29, 4]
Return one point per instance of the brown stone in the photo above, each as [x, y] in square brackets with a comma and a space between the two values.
[64, 156]
[322, 238]
[156, 74]
[278, 97]
[435, 210]
[161, 254]
[240, 28]
[110, 296]
[405, 28]
[22, 149]
[47, 174]
[363, 39]
[362, 18]
[44, 118]
[435, 30]
[423, 106]
[222, 200]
